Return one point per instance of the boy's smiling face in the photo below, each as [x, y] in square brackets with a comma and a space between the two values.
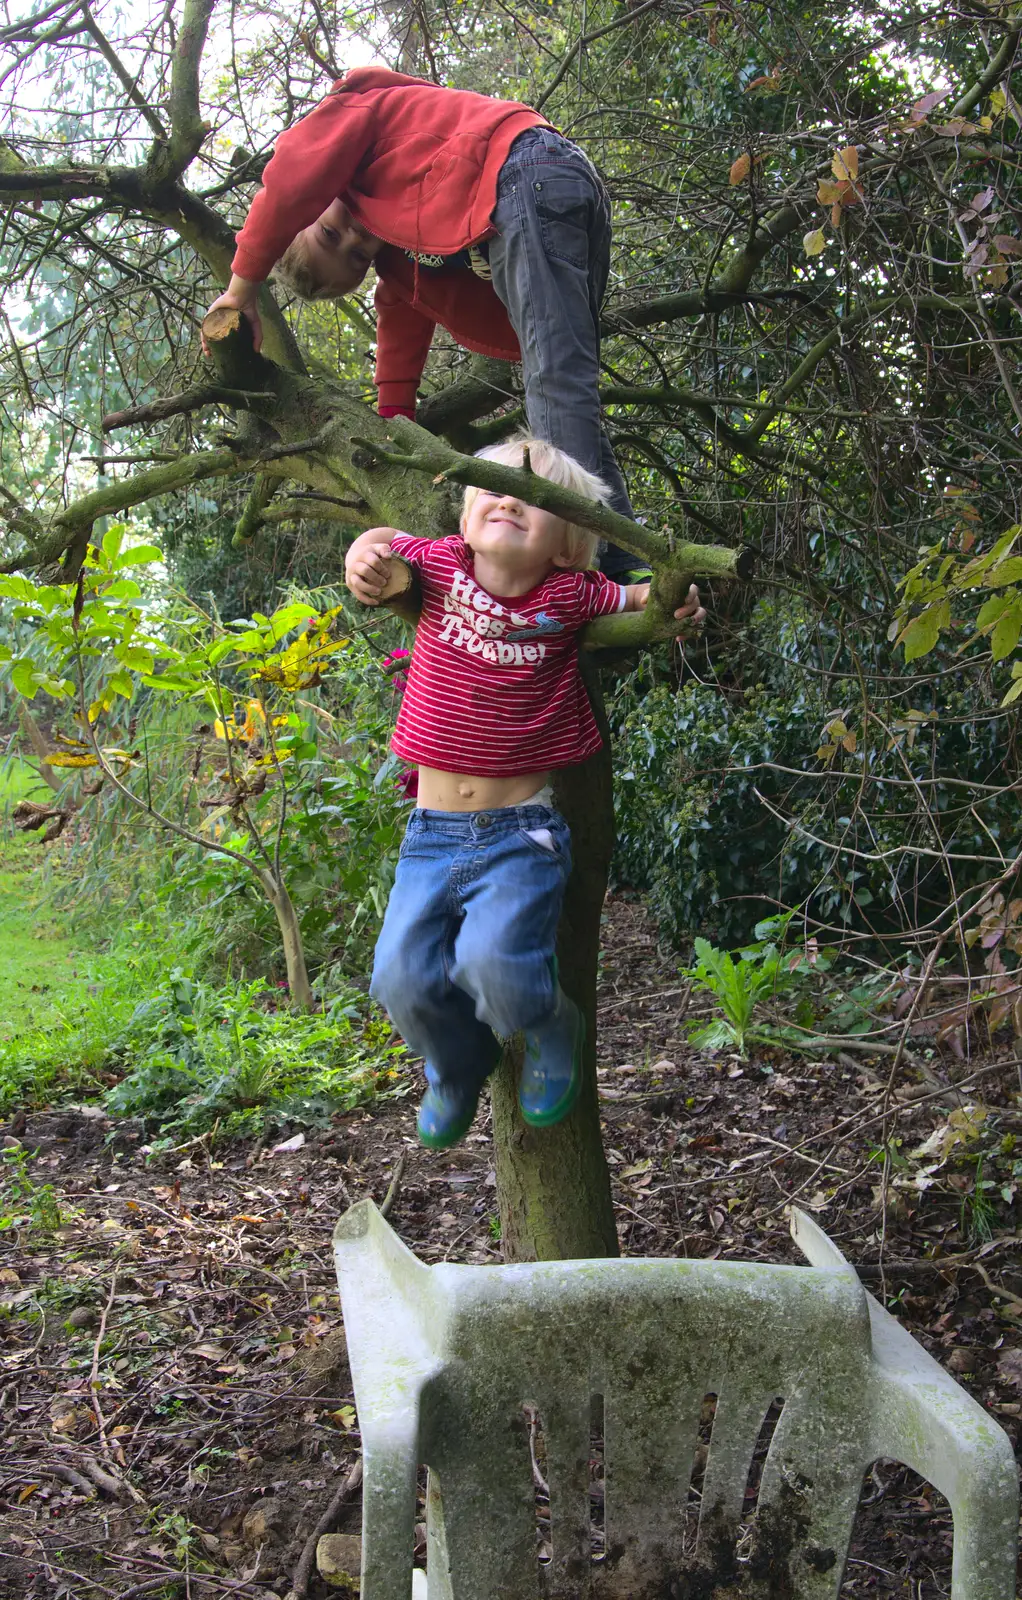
[514, 534]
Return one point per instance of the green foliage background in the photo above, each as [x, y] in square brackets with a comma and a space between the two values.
[844, 738]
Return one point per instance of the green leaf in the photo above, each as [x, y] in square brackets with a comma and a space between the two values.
[1004, 638]
[246, 643]
[288, 617]
[172, 682]
[58, 687]
[921, 634]
[139, 555]
[135, 659]
[15, 587]
[713, 1036]
[1013, 693]
[121, 683]
[991, 610]
[122, 589]
[220, 649]
[26, 677]
[112, 541]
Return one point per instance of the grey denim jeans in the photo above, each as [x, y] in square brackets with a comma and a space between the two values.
[550, 261]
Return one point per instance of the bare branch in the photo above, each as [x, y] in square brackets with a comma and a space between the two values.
[130, 84]
[188, 130]
[173, 405]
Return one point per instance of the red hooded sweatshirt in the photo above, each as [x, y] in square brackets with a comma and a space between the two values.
[416, 165]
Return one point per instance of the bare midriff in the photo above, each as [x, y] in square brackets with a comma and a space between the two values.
[459, 791]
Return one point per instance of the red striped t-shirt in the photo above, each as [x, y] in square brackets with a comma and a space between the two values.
[494, 687]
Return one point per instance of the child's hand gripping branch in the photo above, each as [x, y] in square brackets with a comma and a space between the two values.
[494, 702]
[371, 570]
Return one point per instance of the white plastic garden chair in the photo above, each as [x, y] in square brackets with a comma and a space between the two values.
[444, 1358]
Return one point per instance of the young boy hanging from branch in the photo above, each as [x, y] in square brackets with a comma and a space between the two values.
[494, 702]
[477, 215]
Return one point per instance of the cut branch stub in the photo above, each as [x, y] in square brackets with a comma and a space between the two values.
[221, 323]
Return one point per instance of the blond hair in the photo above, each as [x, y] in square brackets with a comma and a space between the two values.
[294, 270]
[581, 544]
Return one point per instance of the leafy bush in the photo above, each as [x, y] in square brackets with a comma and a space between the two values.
[201, 1054]
[733, 801]
[310, 796]
[741, 983]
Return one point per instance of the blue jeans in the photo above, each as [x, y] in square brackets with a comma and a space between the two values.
[467, 946]
[550, 261]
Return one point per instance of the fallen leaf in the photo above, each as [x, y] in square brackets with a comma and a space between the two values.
[1009, 1368]
[639, 1167]
[295, 1142]
[9, 1301]
[208, 1352]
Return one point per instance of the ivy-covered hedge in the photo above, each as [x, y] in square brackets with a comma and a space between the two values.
[717, 839]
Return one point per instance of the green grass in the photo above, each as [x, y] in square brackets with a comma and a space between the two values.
[40, 969]
[133, 1021]
[19, 781]
[60, 1003]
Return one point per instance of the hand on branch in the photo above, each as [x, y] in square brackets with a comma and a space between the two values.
[240, 295]
[691, 612]
[369, 567]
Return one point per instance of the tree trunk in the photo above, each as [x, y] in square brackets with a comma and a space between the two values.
[553, 1184]
[299, 987]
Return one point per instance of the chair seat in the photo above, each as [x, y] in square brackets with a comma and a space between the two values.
[456, 1367]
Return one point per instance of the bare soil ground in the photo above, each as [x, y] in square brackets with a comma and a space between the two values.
[175, 1403]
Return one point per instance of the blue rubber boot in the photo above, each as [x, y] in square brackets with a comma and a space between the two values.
[552, 1068]
[445, 1115]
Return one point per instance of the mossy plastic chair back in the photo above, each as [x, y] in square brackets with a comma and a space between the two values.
[453, 1366]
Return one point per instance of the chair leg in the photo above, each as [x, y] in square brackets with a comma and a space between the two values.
[985, 1554]
[438, 1563]
[388, 1516]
